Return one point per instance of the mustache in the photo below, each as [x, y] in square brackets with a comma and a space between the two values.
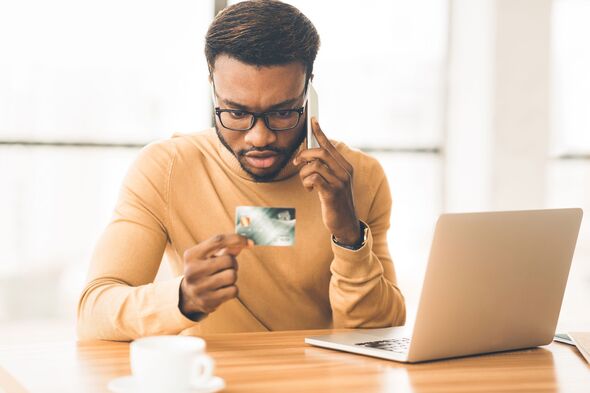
[264, 148]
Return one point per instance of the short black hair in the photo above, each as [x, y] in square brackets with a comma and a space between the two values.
[263, 33]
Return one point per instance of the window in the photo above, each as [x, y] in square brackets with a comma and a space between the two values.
[110, 71]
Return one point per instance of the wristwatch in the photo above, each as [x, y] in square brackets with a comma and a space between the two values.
[360, 243]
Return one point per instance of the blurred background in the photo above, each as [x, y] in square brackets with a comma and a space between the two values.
[469, 105]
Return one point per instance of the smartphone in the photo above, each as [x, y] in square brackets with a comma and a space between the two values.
[312, 111]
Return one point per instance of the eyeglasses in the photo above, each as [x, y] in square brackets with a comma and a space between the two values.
[240, 120]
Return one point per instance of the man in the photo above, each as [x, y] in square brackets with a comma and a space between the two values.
[181, 194]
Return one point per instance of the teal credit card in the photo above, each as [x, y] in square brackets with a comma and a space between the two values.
[266, 226]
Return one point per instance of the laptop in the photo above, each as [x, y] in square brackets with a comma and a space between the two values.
[494, 282]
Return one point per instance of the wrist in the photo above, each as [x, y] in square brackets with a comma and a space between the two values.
[353, 242]
[185, 307]
[348, 240]
[350, 236]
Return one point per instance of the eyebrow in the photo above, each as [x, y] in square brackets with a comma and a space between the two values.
[282, 104]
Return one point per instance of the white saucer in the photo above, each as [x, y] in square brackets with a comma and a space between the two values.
[127, 384]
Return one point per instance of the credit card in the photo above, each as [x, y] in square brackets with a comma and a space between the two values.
[266, 226]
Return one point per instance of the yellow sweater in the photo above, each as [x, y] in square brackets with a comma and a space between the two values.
[183, 190]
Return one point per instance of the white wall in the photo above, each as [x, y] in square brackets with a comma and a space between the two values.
[498, 105]
[500, 131]
[469, 107]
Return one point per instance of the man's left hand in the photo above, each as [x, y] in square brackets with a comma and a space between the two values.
[325, 170]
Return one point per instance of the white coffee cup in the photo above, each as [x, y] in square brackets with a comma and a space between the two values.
[170, 363]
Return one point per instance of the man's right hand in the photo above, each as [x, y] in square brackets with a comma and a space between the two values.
[210, 273]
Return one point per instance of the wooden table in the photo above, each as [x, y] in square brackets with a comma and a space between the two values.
[282, 362]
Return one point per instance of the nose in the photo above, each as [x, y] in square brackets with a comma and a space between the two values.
[260, 135]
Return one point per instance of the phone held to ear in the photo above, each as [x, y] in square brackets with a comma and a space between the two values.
[312, 111]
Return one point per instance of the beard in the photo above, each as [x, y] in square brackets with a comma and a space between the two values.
[285, 154]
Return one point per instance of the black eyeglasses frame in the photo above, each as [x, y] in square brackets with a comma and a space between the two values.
[257, 115]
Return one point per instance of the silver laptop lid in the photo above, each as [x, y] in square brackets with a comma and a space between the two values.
[495, 281]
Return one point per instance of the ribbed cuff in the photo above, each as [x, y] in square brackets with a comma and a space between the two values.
[168, 295]
[353, 263]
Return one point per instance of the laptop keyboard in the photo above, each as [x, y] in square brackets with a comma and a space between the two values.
[399, 345]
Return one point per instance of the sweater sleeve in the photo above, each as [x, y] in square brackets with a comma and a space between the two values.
[121, 301]
[363, 287]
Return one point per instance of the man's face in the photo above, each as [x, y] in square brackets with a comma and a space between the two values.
[262, 153]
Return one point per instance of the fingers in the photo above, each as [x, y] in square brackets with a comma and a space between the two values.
[315, 181]
[328, 154]
[210, 273]
[326, 144]
[213, 255]
[210, 292]
[212, 300]
[197, 271]
[315, 174]
[209, 301]
[231, 244]
[325, 168]
[208, 283]
[325, 158]
[219, 280]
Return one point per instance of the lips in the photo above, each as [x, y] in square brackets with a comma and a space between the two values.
[261, 160]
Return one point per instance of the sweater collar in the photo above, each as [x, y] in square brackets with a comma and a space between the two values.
[232, 163]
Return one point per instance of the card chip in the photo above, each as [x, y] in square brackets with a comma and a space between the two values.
[245, 221]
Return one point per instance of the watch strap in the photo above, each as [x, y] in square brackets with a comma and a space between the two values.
[362, 239]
